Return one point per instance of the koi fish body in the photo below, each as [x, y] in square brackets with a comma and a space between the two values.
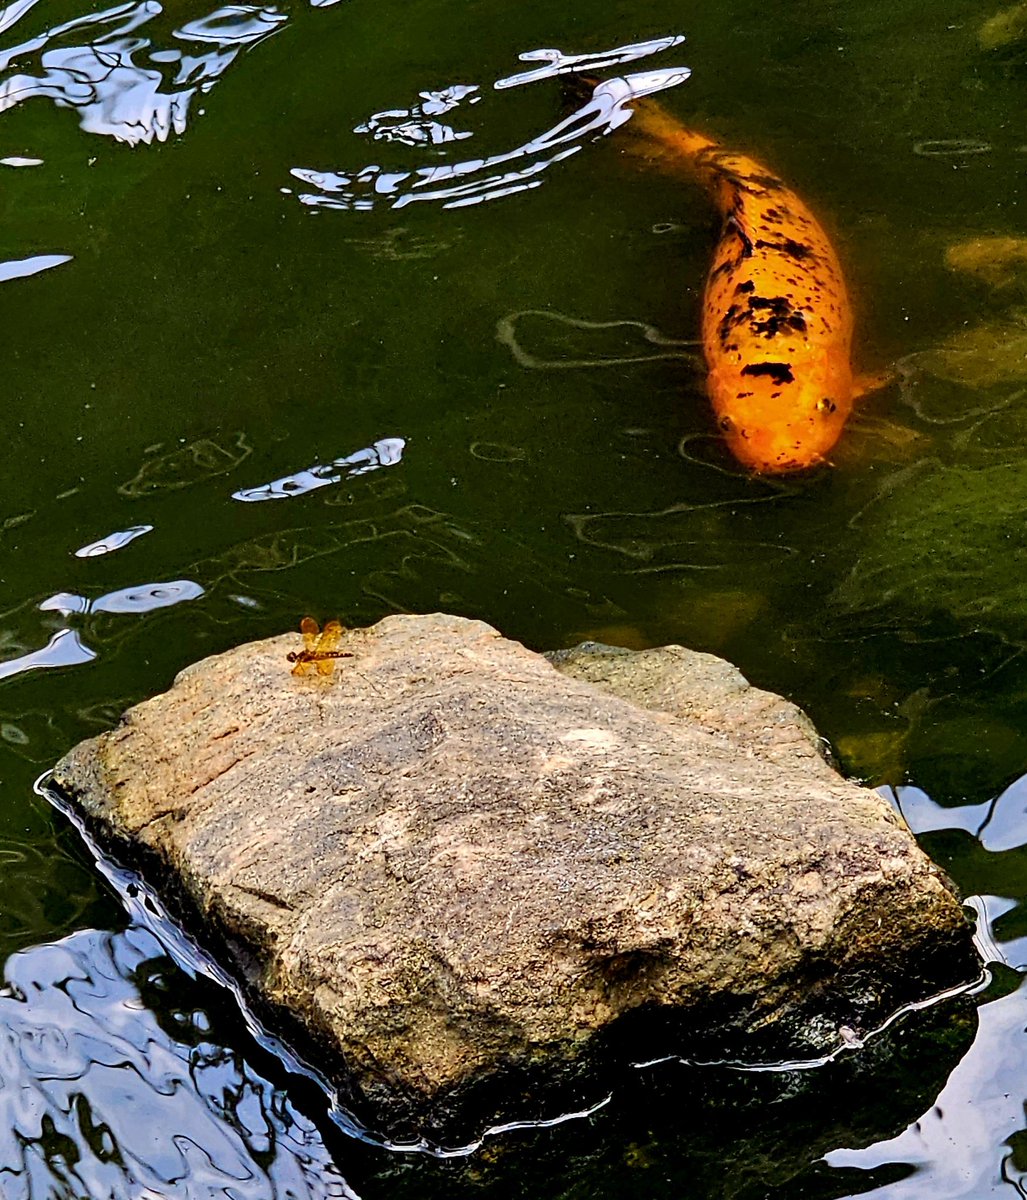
[776, 321]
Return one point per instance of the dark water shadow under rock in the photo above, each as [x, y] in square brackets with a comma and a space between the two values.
[712, 1132]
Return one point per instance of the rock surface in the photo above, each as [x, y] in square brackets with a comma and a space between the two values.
[452, 863]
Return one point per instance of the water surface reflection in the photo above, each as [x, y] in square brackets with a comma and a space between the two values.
[133, 86]
[475, 179]
[117, 1084]
[970, 1143]
[140, 75]
[113, 541]
[22, 268]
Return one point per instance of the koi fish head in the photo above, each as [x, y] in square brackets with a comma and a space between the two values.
[777, 416]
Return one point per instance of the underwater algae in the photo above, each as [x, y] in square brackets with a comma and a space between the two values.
[944, 541]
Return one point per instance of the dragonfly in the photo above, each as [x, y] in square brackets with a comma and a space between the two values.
[320, 647]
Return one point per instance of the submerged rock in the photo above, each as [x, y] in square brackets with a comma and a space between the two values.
[982, 356]
[458, 872]
[1006, 29]
[942, 543]
[1000, 262]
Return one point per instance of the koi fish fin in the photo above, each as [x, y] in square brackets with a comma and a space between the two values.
[872, 381]
[879, 437]
[884, 439]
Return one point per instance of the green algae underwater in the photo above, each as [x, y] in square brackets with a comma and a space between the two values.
[315, 256]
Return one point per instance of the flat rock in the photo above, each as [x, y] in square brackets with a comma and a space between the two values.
[457, 871]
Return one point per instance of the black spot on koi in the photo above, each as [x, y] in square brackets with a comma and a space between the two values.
[778, 372]
[788, 246]
[781, 316]
[727, 322]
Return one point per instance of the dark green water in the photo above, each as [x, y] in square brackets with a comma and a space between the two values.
[212, 333]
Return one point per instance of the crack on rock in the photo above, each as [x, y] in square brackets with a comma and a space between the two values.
[260, 894]
[221, 772]
[175, 813]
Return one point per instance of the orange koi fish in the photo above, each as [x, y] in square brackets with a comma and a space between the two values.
[776, 322]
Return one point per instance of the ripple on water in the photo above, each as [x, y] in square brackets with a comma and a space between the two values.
[419, 124]
[94, 1104]
[966, 1144]
[473, 180]
[21, 268]
[386, 452]
[569, 349]
[90, 64]
[113, 541]
[187, 465]
[951, 147]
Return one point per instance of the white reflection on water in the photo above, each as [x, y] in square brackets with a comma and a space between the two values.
[64, 649]
[417, 125]
[106, 1096]
[113, 541]
[474, 180]
[90, 64]
[960, 1149]
[386, 452]
[139, 599]
[21, 268]
[147, 597]
[998, 824]
[555, 62]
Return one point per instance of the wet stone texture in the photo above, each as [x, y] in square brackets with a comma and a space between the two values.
[458, 872]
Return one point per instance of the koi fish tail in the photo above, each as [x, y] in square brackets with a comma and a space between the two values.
[577, 90]
[652, 133]
[663, 137]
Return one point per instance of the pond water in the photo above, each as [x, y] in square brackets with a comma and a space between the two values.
[347, 309]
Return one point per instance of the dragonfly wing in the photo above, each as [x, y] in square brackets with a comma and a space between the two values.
[309, 629]
[330, 637]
